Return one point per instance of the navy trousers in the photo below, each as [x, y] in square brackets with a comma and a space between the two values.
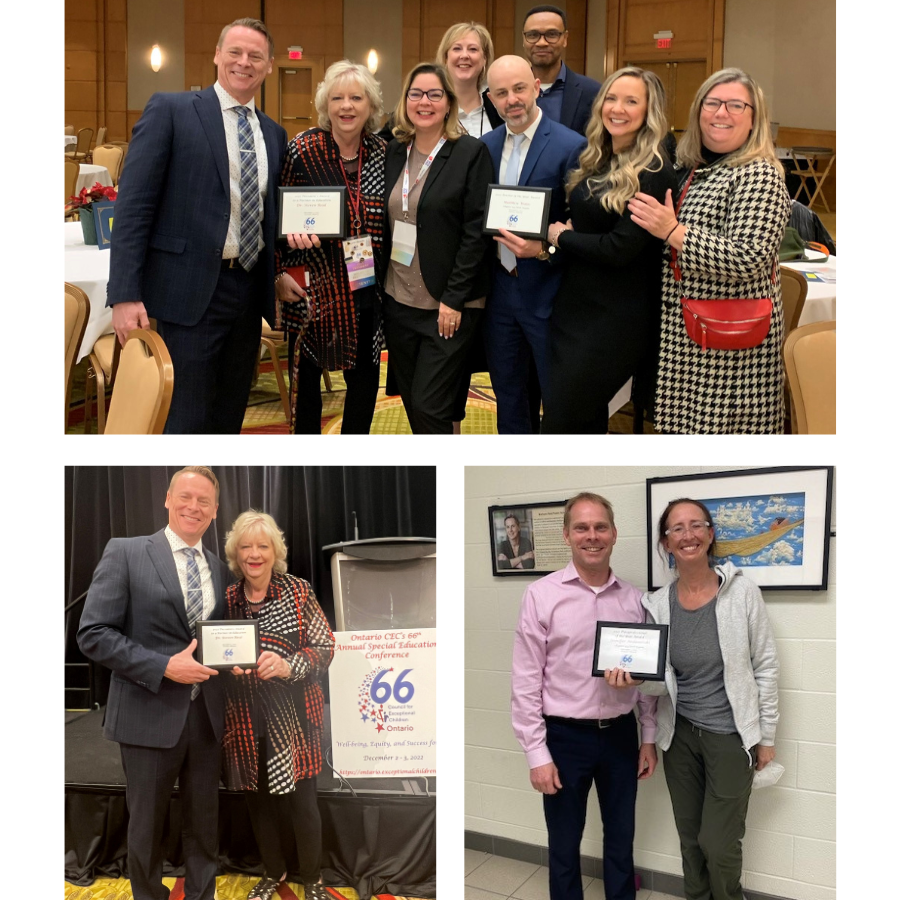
[214, 360]
[514, 337]
[585, 754]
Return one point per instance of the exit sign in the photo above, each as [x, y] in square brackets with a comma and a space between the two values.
[295, 53]
[664, 43]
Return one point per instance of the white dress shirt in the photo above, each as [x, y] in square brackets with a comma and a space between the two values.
[209, 594]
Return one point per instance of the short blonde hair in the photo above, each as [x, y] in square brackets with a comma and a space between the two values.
[205, 471]
[759, 143]
[404, 130]
[260, 522]
[350, 71]
[457, 32]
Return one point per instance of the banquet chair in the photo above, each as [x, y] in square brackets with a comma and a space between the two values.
[70, 129]
[101, 136]
[143, 391]
[78, 309]
[111, 157]
[71, 178]
[273, 340]
[103, 362]
[82, 146]
[810, 360]
[793, 297]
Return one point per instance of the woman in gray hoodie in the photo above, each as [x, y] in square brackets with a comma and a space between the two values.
[718, 705]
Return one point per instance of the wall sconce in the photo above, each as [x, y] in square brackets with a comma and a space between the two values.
[156, 58]
[372, 64]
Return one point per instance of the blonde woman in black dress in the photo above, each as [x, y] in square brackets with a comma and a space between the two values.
[606, 316]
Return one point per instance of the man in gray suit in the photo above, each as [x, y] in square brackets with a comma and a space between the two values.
[164, 708]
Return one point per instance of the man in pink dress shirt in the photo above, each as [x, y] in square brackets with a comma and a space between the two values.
[574, 728]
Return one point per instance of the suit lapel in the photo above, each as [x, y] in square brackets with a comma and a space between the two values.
[209, 111]
[571, 95]
[540, 140]
[435, 169]
[218, 588]
[270, 136]
[161, 555]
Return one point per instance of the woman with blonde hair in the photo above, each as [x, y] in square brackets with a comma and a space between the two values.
[724, 234]
[335, 320]
[437, 277]
[607, 311]
[272, 746]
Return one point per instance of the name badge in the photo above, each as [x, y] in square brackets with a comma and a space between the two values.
[360, 261]
[404, 245]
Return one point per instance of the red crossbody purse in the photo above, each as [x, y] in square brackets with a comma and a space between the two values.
[723, 324]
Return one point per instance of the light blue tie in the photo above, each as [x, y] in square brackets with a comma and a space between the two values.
[507, 257]
[250, 211]
[194, 605]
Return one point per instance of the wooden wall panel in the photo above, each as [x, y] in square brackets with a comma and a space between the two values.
[203, 23]
[505, 31]
[576, 17]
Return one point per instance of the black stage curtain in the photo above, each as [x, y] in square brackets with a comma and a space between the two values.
[389, 839]
[313, 506]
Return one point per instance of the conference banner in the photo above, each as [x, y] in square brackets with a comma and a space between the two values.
[383, 716]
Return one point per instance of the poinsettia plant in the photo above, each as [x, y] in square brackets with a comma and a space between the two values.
[85, 197]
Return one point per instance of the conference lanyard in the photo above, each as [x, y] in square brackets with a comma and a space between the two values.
[422, 171]
[357, 221]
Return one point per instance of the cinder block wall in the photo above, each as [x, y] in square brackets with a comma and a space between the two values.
[789, 850]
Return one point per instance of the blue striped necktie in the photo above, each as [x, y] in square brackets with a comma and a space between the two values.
[250, 211]
[194, 605]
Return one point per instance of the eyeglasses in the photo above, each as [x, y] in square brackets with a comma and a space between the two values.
[681, 530]
[551, 37]
[711, 104]
[433, 95]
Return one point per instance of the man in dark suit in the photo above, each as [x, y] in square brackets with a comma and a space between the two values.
[193, 245]
[565, 96]
[526, 275]
[164, 710]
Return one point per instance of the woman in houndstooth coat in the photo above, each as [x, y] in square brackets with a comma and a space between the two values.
[726, 233]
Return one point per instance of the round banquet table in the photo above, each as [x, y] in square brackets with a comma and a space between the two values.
[70, 139]
[89, 175]
[821, 296]
[88, 268]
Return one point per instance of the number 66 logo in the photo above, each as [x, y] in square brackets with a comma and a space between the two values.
[402, 690]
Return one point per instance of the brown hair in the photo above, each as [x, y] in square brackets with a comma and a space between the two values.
[664, 518]
[253, 25]
[593, 498]
[205, 471]
[404, 130]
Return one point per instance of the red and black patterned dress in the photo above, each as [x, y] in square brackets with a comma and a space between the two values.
[285, 713]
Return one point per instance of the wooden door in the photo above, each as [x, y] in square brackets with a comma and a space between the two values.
[681, 81]
[296, 97]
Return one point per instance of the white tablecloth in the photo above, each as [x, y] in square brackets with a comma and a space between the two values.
[70, 139]
[88, 268]
[89, 175]
[821, 298]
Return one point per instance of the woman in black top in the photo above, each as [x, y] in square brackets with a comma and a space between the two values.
[437, 276]
[605, 318]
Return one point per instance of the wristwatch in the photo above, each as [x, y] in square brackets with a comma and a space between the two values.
[546, 251]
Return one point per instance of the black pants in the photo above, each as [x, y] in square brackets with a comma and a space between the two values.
[214, 360]
[428, 368]
[281, 819]
[585, 754]
[150, 774]
[361, 381]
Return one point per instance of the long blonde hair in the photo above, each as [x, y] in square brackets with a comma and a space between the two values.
[621, 181]
[456, 33]
[759, 143]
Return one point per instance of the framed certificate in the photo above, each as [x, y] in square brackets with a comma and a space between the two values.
[525, 211]
[314, 210]
[638, 649]
[223, 643]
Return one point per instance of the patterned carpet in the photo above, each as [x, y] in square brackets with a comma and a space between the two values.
[265, 414]
[228, 887]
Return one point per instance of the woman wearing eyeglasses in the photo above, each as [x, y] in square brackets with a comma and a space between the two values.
[718, 705]
[725, 233]
[436, 277]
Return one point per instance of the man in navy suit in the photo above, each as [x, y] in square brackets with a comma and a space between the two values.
[164, 709]
[193, 244]
[565, 96]
[526, 276]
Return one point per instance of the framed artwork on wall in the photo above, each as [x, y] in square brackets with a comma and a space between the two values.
[773, 523]
[527, 538]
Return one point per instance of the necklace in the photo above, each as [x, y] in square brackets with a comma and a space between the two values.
[253, 602]
[350, 158]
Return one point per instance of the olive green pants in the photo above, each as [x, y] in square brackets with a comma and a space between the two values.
[709, 778]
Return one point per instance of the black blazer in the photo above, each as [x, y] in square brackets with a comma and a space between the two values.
[578, 98]
[453, 251]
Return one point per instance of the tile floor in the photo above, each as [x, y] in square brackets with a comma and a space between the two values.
[497, 878]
